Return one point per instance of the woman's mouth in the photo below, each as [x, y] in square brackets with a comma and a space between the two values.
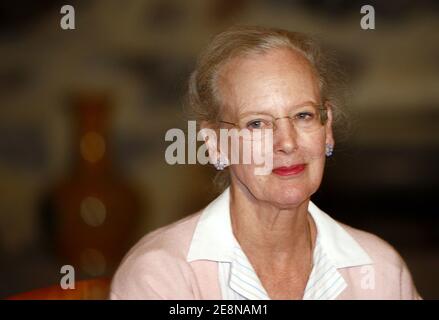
[290, 170]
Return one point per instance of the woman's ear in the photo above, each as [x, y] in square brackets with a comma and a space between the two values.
[328, 125]
[210, 139]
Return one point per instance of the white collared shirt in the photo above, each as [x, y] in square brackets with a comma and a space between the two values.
[214, 240]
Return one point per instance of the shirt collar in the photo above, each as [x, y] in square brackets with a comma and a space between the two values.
[213, 238]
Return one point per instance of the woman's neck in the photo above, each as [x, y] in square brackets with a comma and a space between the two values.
[270, 233]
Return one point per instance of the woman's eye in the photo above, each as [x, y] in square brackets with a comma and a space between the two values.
[305, 116]
[255, 124]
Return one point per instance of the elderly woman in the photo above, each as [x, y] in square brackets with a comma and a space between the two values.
[263, 238]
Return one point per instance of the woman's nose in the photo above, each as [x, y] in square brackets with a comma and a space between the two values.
[284, 136]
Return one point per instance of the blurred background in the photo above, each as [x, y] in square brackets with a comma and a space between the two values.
[84, 112]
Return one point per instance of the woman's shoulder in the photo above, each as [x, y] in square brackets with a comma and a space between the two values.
[173, 239]
[156, 263]
[377, 248]
[390, 270]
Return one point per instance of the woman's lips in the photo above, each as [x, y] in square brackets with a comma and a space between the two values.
[289, 171]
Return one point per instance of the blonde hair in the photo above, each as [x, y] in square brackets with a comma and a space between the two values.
[203, 98]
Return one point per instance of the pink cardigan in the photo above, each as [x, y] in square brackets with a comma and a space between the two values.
[157, 268]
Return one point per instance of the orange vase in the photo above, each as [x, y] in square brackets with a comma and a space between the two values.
[95, 211]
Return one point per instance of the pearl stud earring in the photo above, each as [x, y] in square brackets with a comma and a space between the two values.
[221, 163]
[329, 150]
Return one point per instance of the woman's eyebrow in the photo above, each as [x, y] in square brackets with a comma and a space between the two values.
[297, 106]
[306, 104]
[255, 113]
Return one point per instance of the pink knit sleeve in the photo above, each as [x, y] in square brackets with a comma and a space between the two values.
[151, 276]
[408, 289]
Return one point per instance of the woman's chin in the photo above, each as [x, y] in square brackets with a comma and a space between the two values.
[288, 198]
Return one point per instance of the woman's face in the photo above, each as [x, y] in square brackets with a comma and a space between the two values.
[277, 83]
